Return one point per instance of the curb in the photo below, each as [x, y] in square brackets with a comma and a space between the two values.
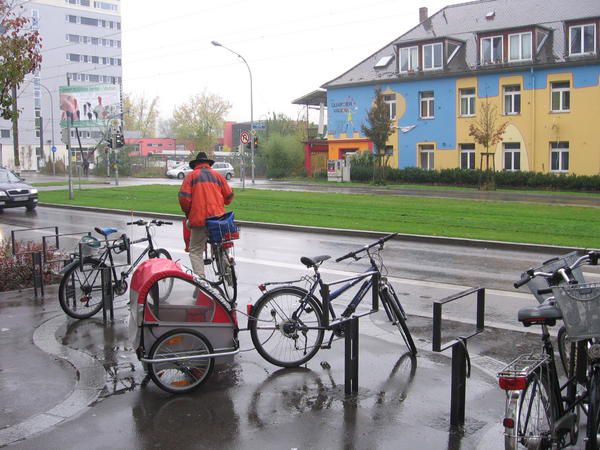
[435, 240]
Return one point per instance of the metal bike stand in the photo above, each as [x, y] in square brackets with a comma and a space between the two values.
[350, 328]
[460, 354]
[107, 294]
[38, 273]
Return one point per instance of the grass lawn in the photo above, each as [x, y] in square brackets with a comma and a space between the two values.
[65, 183]
[503, 221]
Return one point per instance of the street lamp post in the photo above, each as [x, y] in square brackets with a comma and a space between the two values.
[217, 44]
[52, 118]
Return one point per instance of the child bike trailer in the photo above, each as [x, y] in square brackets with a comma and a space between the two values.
[179, 326]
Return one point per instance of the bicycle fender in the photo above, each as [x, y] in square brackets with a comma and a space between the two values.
[73, 263]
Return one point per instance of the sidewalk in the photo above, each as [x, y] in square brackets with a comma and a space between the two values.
[75, 368]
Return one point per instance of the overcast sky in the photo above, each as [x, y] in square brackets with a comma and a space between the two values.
[292, 47]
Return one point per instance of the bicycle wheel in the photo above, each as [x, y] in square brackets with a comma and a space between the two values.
[226, 271]
[178, 377]
[165, 285]
[533, 412]
[286, 327]
[593, 421]
[80, 291]
[388, 296]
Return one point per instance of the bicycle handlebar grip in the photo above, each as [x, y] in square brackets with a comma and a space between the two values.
[522, 281]
[544, 291]
[346, 256]
[594, 256]
[167, 223]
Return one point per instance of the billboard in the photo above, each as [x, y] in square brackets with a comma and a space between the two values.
[90, 106]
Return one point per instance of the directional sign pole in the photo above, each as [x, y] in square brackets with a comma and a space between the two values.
[53, 160]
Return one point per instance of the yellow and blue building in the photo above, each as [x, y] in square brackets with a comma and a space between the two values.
[537, 63]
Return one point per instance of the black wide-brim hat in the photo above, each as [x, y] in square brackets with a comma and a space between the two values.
[201, 157]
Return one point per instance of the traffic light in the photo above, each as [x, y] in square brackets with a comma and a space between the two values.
[120, 139]
[255, 141]
[109, 141]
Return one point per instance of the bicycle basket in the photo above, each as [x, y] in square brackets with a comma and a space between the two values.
[88, 246]
[553, 265]
[580, 306]
[222, 228]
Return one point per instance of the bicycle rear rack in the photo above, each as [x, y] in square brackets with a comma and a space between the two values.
[523, 365]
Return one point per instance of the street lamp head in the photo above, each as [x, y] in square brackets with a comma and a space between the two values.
[216, 44]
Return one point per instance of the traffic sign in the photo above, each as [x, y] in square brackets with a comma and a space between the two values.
[53, 149]
[259, 126]
[245, 137]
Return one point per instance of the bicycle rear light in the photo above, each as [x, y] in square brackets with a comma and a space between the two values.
[508, 422]
[227, 244]
[249, 309]
[262, 288]
[512, 383]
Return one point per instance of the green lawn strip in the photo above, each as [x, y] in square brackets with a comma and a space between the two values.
[65, 183]
[503, 221]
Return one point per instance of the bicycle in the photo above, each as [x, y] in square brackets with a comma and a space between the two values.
[222, 231]
[287, 324]
[80, 289]
[539, 412]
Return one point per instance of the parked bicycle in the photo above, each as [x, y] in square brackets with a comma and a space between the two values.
[287, 323]
[80, 290]
[222, 231]
[540, 412]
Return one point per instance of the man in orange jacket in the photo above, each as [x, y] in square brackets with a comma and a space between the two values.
[203, 193]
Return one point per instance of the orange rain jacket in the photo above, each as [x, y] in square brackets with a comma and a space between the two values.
[204, 193]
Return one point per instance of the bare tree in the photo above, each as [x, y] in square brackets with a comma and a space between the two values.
[378, 132]
[140, 114]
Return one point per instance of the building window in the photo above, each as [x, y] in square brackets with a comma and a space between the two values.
[582, 39]
[4, 133]
[512, 156]
[390, 104]
[559, 156]
[432, 56]
[560, 96]
[491, 50]
[467, 156]
[427, 105]
[519, 47]
[409, 59]
[467, 102]
[512, 100]
[426, 156]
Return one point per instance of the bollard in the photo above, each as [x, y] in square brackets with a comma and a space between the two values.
[459, 383]
[107, 294]
[38, 273]
[350, 327]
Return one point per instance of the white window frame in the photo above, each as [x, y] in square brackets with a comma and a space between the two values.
[412, 63]
[560, 148]
[582, 52]
[512, 151]
[433, 66]
[520, 46]
[493, 59]
[470, 152]
[512, 95]
[562, 91]
[430, 102]
[470, 102]
[429, 150]
[390, 102]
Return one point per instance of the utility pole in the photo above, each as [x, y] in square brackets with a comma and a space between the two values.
[114, 149]
[69, 120]
[15, 125]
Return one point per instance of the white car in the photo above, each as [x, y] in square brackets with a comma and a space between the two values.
[224, 168]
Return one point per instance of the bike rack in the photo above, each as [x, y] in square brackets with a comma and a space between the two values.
[350, 327]
[36, 258]
[107, 294]
[57, 243]
[460, 354]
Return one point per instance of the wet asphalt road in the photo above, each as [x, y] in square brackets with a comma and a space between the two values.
[251, 404]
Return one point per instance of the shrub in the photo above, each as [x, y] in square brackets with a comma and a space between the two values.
[283, 156]
[16, 272]
[59, 166]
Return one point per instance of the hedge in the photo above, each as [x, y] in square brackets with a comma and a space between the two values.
[461, 177]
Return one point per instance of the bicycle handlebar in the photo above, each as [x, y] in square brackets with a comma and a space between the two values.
[141, 222]
[565, 273]
[379, 242]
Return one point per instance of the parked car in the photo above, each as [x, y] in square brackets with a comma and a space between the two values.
[179, 171]
[224, 168]
[14, 192]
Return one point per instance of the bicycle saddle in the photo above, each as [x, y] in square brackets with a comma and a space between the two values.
[311, 262]
[539, 315]
[105, 231]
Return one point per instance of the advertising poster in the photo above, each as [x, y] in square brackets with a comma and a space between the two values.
[90, 106]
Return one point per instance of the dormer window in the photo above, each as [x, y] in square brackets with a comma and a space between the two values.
[519, 46]
[491, 50]
[409, 59]
[582, 39]
[432, 56]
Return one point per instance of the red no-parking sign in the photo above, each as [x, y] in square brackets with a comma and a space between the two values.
[245, 137]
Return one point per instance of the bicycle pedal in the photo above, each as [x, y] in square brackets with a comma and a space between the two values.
[325, 346]
[207, 261]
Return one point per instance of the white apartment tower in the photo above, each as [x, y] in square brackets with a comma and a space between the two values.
[81, 42]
